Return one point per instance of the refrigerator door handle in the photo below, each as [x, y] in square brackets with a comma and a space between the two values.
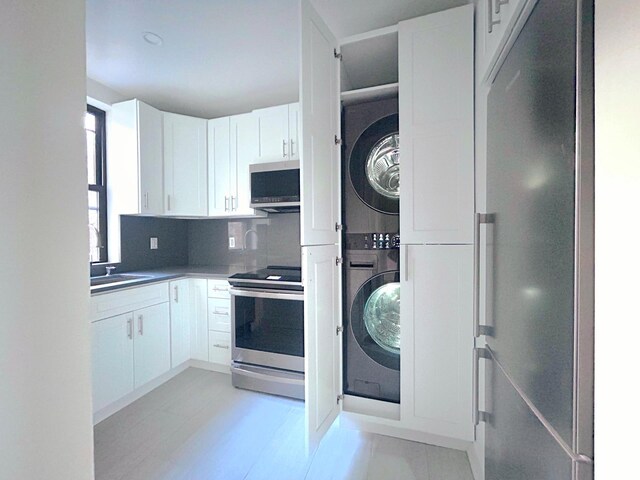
[478, 415]
[481, 218]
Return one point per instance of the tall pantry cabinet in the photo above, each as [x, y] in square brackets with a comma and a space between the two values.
[428, 62]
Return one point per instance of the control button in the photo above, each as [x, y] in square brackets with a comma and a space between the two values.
[375, 245]
[386, 237]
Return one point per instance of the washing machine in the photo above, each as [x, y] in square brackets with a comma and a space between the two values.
[371, 282]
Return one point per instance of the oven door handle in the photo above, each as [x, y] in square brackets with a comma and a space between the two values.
[259, 293]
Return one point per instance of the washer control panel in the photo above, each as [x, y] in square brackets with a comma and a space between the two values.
[372, 241]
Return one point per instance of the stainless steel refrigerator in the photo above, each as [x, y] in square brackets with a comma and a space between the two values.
[539, 242]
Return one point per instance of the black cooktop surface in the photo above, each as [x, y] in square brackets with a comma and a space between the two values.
[271, 273]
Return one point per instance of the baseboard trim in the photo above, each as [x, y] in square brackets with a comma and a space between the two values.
[477, 467]
[214, 367]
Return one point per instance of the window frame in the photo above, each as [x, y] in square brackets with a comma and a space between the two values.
[100, 187]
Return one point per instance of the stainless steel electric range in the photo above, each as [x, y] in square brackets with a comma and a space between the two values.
[267, 331]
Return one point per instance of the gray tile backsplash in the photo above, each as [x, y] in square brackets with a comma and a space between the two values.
[251, 243]
[256, 242]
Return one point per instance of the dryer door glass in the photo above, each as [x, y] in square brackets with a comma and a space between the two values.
[382, 316]
[383, 166]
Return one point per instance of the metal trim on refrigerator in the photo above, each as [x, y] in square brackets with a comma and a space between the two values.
[583, 369]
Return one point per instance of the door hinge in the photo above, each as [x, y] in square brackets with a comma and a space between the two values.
[339, 329]
[338, 141]
[339, 398]
[339, 227]
[337, 54]
[339, 261]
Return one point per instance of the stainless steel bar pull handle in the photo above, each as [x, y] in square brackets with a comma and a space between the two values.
[499, 3]
[478, 416]
[226, 203]
[168, 202]
[284, 149]
[130, 327]
[481, 218]
[140, 325]
[175, 294]
[490, 21]
[291, 149]
[233, 202]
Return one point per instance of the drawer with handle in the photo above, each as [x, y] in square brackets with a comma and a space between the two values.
[220, 348]
[219, 314]
[218, 288]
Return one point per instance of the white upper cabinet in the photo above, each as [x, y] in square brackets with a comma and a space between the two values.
[320, 155]
[185, 165]
[150, 158]
[244, 151]
[221, 172]
[436, 127]
[278, 133]
[273, 134]
[437, 339]
[294, 129]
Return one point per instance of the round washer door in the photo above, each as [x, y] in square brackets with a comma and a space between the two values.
[375, 319]
[374, 166]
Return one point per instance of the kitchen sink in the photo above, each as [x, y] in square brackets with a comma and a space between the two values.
[116, 278]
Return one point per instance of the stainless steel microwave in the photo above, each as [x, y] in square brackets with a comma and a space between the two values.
[275, 186]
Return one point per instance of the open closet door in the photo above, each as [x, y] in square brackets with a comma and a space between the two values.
[321, 277]
[319, 102]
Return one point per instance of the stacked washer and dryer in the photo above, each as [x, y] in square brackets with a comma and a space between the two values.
[371, 240]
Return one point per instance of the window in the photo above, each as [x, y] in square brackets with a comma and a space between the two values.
[94, 125]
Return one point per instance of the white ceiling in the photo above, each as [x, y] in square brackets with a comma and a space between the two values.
[219, 57]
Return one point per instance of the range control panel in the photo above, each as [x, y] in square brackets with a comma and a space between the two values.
[372, 241]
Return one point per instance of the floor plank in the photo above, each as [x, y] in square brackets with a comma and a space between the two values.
[197, 426]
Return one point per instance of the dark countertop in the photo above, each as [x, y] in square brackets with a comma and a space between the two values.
[170, 273]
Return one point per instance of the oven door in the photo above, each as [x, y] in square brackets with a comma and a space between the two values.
[268, 328]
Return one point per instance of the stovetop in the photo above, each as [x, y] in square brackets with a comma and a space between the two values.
[275, 274]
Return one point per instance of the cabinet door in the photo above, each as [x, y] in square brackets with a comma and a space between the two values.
[199, 328]
[436, 127]
[437, 338]
[151, 159]
[180, 321]
[152, 345]
[294, 128]
[244, 150]
[273, 134]
[111, 359]
[322, 346]
[185, 165]
[219, 160]
[320, 155]
[220, 348]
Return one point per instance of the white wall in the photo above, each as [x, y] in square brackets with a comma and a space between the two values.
[45, 393]
[617, 316]
[103, 94]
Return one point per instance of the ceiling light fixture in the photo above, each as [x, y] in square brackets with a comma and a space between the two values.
[152, 38]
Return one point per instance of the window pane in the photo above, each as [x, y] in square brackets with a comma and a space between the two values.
[90, 121]
[95, 244]
[91, 156]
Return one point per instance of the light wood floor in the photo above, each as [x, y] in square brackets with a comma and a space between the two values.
[197, 426]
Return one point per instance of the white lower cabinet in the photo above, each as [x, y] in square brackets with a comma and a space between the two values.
[437, 339]
[128, 351]
[152, 344]
[199, 331]
[219, 348]
[111, 359]
[219, 315]
[180, 292]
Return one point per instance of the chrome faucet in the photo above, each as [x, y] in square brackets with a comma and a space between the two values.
[109, 270]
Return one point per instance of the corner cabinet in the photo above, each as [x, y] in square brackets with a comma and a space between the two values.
[437, 127]
[185, 165]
